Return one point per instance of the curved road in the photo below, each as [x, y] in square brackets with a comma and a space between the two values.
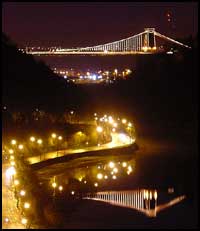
[118, 140]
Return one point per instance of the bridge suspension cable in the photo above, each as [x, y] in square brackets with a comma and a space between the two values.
[172, 40]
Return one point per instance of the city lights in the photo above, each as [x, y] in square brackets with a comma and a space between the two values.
[96, 184]
[72, 192]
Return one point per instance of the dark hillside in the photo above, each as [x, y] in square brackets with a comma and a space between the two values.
[28, 84]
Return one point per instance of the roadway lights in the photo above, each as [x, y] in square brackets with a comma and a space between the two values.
[10, 172]
[24, 221]
[53, 135]
[124, 121]
[6, 220]
[26, 205]
[72, 192]
[12, 157]
[60, 188]
[115, 125]
[99, 129]
[11, 151]
[129, 125]
[54, 184]
[12, 163]
[32, 139]
[20, 146]
[39, 141]
[60, 137]
[85, 182]
[13, 142]
[16, 182]
[22, 193]
[99, 176]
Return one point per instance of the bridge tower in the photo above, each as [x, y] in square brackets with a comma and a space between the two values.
[149, 38]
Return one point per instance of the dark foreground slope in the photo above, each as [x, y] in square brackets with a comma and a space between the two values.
[28, 84]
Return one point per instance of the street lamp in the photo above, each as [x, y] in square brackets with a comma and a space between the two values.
[59, 138]
[54, 185]
[124, 121]
[20, 146]
[22, 193]
[39, 141]
[53, 135]
[99, 129]
[32, 139]
[11, 151]
[60, 188]
[26, 205]
[24, 221]
[13, 142]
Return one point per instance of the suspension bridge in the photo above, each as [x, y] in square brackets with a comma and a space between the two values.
[141, 200]
[142, 43]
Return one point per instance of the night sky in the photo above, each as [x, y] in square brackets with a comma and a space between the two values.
[85, 24]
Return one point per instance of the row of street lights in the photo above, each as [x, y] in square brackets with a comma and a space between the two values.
[10, 174]
[34, 140]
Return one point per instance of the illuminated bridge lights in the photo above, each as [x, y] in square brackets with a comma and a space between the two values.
[144, 42]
